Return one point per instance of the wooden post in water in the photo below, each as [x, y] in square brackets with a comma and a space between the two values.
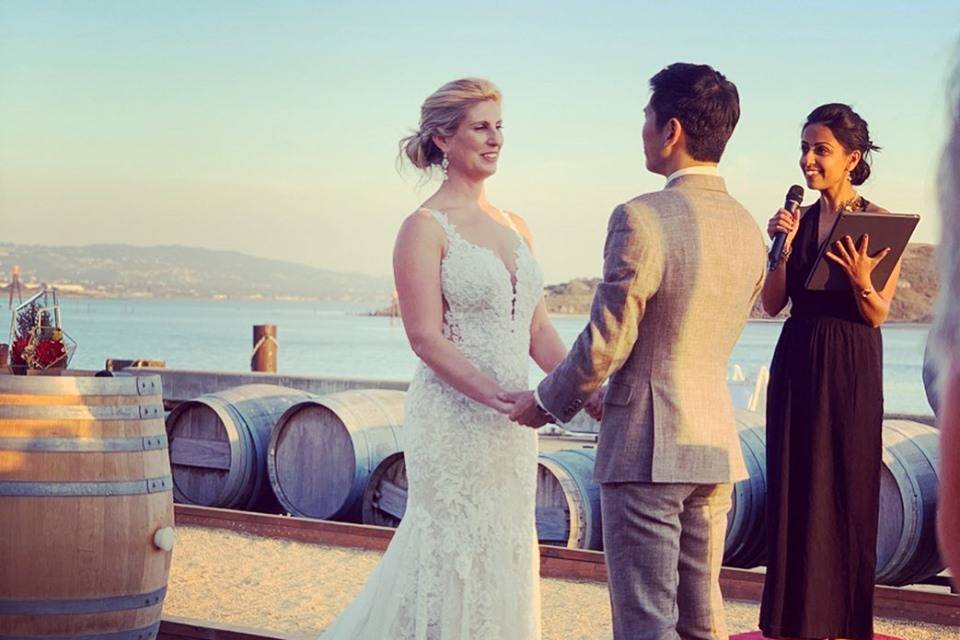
[265, 345]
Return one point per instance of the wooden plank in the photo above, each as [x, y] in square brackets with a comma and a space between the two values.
[285, 527]
[176, 628]
[194, 452]
[182, 384]
[919, 605]
[392, 499]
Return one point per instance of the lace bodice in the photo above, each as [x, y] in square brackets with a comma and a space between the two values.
[488, 307]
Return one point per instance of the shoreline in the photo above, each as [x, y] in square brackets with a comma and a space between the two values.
[73, 296]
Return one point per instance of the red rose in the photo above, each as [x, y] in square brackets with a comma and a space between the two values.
[17, 354]
[50, 352]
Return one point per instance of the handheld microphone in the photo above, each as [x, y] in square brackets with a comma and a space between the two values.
[791, 204]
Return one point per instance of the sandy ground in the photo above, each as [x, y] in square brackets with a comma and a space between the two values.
[297, 588]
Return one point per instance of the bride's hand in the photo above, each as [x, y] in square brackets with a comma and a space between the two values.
[500, 402]
[523, 408]
[502, 407]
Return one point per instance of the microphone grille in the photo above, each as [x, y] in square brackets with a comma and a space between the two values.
[795, 193]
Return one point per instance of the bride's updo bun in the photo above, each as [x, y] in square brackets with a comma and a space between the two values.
[441, 115]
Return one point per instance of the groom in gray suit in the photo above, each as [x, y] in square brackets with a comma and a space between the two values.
[682, 268]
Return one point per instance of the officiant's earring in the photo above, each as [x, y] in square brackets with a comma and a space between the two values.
[444, 164]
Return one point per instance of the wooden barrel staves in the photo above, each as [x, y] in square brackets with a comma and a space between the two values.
[745, 545]
[85, 506]
[218, 446]
[323, 450]
[568, 499]
[906, 538]
[385, 498]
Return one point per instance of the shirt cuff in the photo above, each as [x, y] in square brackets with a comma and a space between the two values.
[543, 410]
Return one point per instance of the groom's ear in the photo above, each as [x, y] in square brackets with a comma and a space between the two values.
[672, 133]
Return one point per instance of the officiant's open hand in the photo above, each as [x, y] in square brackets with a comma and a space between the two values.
[525, 409]
[856, 260]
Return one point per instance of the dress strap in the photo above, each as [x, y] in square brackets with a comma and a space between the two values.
[444, 222]
[451, 229]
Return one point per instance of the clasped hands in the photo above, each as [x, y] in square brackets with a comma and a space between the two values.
[521, 407]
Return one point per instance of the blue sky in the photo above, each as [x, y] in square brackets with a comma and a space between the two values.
[271, 127]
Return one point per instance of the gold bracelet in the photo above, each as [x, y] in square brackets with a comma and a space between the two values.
[785, 255]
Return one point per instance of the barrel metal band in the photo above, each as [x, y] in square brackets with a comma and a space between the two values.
[82, 489]
[145, 633]
[82, 605]
[81, 412]
[66, 445]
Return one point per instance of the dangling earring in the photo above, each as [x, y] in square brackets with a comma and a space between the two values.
[848, 177]
[444, 164]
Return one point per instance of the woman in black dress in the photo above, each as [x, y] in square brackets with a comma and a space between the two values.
[825, 402]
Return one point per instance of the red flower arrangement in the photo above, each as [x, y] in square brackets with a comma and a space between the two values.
[38, 342]
[49, 353]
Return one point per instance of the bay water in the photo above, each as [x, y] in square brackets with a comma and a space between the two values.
[339, 340]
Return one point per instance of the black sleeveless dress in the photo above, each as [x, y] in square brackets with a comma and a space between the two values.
[824, 421]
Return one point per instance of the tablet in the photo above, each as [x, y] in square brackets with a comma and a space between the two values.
[885, 230]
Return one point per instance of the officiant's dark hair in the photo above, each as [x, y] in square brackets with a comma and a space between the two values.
[850, 130]
[703, 100]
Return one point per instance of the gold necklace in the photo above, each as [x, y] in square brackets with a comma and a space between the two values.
[853, 204]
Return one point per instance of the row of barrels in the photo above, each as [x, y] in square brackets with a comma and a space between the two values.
[86, 488]
[338, 456]
[568, 501]
[273, 449]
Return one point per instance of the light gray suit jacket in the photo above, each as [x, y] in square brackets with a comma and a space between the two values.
[682, 268]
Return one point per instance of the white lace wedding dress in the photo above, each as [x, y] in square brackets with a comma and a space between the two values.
[464, 563]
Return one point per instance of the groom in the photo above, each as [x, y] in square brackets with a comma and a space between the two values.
[682, 267]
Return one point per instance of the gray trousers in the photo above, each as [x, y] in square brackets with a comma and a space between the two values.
[664, 546]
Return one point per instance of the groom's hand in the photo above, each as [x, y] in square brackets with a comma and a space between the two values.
[525, 409]
[594, 405]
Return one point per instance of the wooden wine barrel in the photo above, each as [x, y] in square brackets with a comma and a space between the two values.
[745, 545]
[385, 497]
[906, 537]
[323, 450]
[218, 446]
[568, 499]
[86, 510]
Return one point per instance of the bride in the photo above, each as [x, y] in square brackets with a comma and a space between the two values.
[464, 562]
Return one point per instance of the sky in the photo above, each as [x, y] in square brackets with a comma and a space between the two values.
[271, 128]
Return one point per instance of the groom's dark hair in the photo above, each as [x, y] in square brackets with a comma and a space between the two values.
[703, 100]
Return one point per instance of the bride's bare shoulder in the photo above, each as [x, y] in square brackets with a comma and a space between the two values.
[522, 227]
[420, 227]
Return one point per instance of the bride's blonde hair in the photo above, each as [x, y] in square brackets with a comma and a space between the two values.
[441, 115]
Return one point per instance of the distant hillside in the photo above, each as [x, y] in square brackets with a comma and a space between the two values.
[913, 302]
[176, 271]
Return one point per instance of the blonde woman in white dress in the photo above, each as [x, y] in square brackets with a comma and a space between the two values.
[464, 562]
